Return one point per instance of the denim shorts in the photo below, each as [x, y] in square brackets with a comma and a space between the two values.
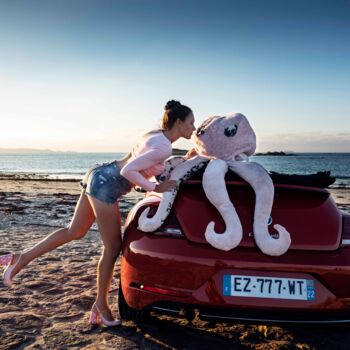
[104, 182]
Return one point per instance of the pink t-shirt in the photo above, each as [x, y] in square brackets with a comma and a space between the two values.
[147, 160]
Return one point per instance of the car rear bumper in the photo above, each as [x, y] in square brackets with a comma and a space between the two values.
[236, 314]
[164, 271]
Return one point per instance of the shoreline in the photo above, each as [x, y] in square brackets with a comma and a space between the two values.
[22, 176]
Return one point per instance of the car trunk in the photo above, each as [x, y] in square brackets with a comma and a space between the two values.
[308, 213]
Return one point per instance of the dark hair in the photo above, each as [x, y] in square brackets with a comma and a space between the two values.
[174, 110]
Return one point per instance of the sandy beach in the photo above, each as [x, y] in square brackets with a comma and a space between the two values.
[50, 305]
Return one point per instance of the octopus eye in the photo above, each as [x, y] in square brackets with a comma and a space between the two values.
[200, 131]
[270, 221]
[230, 130]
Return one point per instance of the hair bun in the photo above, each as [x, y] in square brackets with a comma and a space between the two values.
[171, 104]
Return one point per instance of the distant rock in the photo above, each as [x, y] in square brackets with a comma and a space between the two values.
[24, 150]
[179, 152]
[274, 153]
[30, 150]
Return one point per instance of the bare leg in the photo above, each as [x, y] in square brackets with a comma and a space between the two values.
[81, 222]
[109, 223]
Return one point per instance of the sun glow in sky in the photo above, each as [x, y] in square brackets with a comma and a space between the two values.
[95, 75]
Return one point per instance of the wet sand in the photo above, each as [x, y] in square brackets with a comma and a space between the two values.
[50, 305]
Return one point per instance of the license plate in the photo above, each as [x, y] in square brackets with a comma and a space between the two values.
[268, 287]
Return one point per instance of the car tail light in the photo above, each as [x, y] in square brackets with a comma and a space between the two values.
[346, 230]
[169, 231]
[170, 228]
[159, 290]
[346, 301]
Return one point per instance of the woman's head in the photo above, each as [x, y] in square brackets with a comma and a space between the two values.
[178, 116]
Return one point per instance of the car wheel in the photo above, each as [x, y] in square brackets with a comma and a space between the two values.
[126, 312]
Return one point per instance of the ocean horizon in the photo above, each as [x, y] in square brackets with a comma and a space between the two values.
[73, 165]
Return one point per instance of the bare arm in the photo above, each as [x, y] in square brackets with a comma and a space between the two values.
[191, 153]
[133, 170]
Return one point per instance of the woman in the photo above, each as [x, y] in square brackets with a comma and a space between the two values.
[102, 186]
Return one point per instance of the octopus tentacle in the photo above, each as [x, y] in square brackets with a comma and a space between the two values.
[262, 184]
[181, 172]
[170, 164]
[215, 190]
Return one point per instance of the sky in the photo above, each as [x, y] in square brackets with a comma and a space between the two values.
[94, 76]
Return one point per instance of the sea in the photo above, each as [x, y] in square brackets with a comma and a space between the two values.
[72, 165]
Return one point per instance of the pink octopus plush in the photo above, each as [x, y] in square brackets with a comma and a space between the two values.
[225, 143]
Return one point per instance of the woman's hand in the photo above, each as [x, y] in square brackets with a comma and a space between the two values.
[191, 153]
[165, 186]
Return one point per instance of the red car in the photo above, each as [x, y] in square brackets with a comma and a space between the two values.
[174, 270]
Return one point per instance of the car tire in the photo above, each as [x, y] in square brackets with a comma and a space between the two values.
[126, 312]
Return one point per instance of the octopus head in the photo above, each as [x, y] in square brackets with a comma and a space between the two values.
[229, 137]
